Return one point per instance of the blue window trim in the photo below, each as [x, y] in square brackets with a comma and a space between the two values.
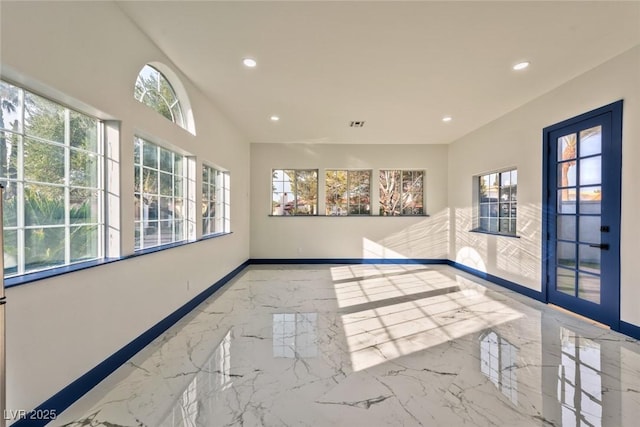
[24, 279]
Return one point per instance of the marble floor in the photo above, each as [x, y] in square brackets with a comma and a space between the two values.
[371, 345]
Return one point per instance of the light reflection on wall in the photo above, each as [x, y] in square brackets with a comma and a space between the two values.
[371, 249]
[516, 259]
[295, 335]
[471, 258]
[521, 257]
[467, 248]
[429, 238]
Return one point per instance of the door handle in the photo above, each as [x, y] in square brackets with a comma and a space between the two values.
[604, 246]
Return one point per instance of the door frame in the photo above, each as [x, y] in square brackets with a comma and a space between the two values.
[612, 175]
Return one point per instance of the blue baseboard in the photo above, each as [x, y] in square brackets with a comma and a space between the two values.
[499, 281]
[74, 391]
[263, 261]
[629, 329]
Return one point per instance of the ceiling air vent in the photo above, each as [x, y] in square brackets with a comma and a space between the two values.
[358, 124]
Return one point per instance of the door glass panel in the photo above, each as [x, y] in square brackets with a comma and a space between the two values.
[589, 259]
[567, 147]
[567, 174]
[589, 287]
[591, 170]
[589, 227]
[566, 227]
[591, 141]
[567, 201]
[566, 254]
[590, 200]
[565, 281]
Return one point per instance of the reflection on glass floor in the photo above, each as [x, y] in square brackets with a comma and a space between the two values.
[371, 345]
[579, 381]
[498, 358]
[294, 335]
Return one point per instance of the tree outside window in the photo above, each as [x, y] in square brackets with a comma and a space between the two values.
[294, 192]
[497, 202]
[153, 89]
[160, 193]
[348, 192]
[401, 192]
[215, 195]
[51, 167]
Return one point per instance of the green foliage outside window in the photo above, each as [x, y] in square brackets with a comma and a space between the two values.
[49, 166]
[401, 192]
[294, 192]
[153, 89]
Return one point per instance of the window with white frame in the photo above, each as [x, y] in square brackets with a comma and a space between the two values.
[215, 201]
[51, 165]
[294, 192]
[401, 192]
[497, 202]
[160, 189]
[348, 192]
[154, 90]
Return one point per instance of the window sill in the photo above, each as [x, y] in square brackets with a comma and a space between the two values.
[174, 245]
[58, 271]
[213, 236]
[348, 216]
[475, 230]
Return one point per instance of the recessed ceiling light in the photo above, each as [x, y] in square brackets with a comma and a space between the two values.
[521, 65]
[274, 118]
[248, 62]
[447, 118]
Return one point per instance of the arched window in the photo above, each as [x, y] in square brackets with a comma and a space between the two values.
[154, 90]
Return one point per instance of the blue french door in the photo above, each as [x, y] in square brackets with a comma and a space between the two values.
[581, 241]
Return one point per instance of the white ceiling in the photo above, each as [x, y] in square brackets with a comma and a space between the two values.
[399, 66]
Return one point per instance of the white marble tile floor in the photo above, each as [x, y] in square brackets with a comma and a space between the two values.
[371, 345]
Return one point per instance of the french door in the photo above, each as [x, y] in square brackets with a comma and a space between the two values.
[581, 240]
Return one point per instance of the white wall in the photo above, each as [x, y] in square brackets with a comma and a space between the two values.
[88, 55]
[515, 140]
[349, 237]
